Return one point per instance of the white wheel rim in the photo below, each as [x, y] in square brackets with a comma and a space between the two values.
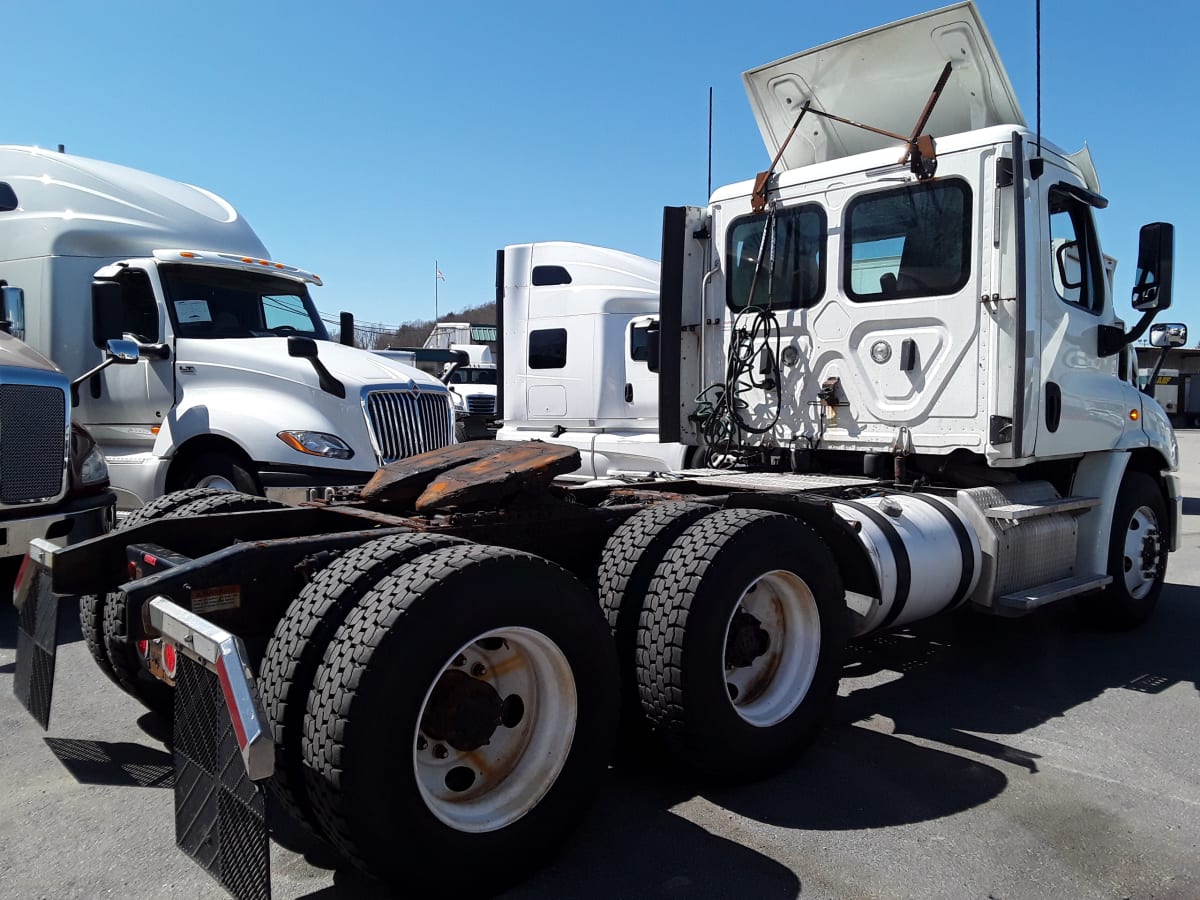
[767, 689]
[217, 483]
[491, 786]
[1142, 553]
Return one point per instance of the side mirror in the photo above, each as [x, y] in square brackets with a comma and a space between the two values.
[1168, 334]
[1156, 256]
[123, 353]
[12, 310]
[302, 347]
[108, 312]
[346, 328]
[654, 346]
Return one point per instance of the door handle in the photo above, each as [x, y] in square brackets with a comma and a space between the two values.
[628, 392]
[1053, 406]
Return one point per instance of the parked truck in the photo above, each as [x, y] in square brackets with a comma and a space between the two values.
[239, 385]
[53, 476]
[902, 347]
[579, 350]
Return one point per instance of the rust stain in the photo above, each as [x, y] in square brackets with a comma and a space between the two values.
[498, 476]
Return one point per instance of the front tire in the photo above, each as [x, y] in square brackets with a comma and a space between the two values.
[219, 471]
[1137, 554]
[740, 642]
[461, 720]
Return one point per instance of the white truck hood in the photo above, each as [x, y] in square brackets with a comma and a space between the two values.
[883, 77]
[268, 356]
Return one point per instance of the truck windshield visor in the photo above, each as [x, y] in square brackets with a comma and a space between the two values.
[211, 302]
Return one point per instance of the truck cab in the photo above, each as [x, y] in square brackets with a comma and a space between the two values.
[580, 365]
[53, 476]
[239, 385]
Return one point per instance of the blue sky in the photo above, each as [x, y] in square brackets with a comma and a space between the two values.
[364, 140]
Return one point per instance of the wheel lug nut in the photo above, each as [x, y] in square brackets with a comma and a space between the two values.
[421, 742]
[478, 670]
[460, 661]
[440, 752]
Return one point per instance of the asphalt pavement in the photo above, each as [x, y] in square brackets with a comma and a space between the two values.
[967, 758]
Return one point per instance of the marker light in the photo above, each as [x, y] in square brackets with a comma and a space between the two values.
[1134, 415]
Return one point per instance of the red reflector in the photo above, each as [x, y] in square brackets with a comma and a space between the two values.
[149, 560]
[144, 648]
[132, 567]
[170, 660]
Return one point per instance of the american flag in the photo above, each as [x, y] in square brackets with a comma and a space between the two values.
[440, 276]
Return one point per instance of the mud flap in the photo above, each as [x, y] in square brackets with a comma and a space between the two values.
[37, 635]
[220, 814]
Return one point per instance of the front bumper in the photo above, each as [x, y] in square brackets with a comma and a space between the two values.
[68, 523]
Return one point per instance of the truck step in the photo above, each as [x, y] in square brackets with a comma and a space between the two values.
[1016, 511]
[1031, 598]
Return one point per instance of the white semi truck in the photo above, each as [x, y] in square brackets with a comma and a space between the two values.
[239, 385]
[903, 347]
[579, 325]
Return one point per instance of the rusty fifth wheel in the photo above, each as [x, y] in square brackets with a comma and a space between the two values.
[462, 717]
[740, 641]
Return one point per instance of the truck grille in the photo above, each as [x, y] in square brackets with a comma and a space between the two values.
[404, 423]
[33, 442]
[481, 404]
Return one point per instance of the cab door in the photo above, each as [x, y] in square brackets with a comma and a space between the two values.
[141, 394]
[1081, 404]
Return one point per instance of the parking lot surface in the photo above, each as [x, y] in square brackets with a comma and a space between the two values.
[967, 758]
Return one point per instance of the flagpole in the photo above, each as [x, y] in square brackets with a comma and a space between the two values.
[436, 273]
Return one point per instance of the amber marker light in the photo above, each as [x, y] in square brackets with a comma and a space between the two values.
[187, 254]
[1134, 415]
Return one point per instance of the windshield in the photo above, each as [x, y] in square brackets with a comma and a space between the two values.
[473, 376]
[211, 302]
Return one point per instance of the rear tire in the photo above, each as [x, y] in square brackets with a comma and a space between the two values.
[461, 720]
[129, 669]
[1137, 554]
[301, 638]
[627, 566]
[91, 606]
[740, 642]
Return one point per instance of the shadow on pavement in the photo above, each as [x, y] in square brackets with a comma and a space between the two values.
[122, 764]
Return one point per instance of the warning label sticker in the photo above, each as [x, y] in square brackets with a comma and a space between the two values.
[214, 599]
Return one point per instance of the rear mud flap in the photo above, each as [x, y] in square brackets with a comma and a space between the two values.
[220, 814]
[37, 640]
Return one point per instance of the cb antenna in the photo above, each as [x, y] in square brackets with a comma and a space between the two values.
[1036, 164]
[710, 110]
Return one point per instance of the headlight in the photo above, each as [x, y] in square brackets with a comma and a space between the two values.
[457, 399]
[317, 443]
[89, 468]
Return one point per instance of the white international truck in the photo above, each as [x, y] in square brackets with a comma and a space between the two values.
[902, 346]
[239, 385]
[578, 325]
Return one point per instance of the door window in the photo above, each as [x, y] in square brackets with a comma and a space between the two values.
[139, 309]
[1075, 263]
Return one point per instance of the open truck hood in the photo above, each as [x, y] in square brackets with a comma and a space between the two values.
[883, 77]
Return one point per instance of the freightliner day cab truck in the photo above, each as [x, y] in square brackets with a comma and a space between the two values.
[239, 385]
[904, 350]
